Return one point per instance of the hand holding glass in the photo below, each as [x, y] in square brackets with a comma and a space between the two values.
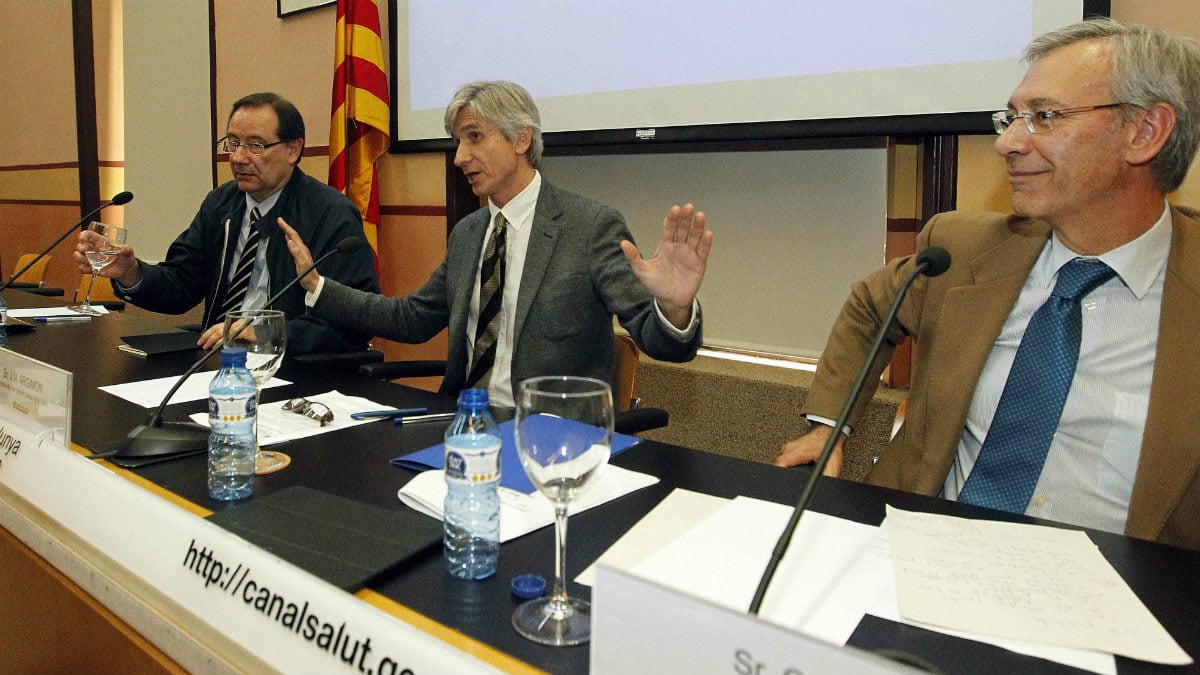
[99, 256]
[563, 430]
[263, 334]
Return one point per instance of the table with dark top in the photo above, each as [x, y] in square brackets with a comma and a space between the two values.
[356, 463]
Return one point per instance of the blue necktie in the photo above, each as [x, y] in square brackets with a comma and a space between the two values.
[1010, 461]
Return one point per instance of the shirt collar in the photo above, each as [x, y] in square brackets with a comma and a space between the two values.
[1138, 263]
[519, 210]
[263, 207]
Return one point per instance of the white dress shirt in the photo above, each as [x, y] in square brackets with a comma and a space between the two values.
[519, 214]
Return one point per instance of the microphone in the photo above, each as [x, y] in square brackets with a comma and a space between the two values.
[157, 438]
[118, 199]
[931, 262]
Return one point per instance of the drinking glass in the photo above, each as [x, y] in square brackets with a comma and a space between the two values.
[263, 334]
[563, 430]
[100, 256]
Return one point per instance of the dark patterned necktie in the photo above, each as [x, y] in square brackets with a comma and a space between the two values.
[1014, 451]
[240, 282]
[491, 296]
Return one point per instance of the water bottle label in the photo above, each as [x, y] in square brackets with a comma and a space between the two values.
[231, 409]
[477, 467]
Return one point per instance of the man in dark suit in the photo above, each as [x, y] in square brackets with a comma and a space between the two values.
[265, 140]
[1103, 126]
[531, 282]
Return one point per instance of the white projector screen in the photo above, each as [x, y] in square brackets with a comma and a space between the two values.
[626, 71]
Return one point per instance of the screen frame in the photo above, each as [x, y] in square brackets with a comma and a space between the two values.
[661, 139]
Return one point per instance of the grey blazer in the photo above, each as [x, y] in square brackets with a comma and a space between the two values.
[575, 280]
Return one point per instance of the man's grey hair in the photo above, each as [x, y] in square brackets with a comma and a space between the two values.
[504, 104]
[1149, 66]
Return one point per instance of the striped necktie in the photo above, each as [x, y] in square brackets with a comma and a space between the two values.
[491, 295]
[1014, 451]
[240, 282]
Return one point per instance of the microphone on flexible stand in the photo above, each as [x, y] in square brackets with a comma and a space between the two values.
[931, 262]
[118, 199]
[157, 438]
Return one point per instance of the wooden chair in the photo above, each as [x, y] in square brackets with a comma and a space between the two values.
[34, 276]
[33, 280]
[625, 386]
[630, 418]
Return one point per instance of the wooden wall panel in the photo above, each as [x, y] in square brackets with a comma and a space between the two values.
[50, 625]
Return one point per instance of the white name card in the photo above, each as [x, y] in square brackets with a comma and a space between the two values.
[36, 396]
[639, 626]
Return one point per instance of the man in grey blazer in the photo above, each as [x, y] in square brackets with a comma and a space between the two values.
[568, 265]
[1103, 126]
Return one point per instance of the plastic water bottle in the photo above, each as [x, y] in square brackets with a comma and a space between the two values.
[471, 534]
[232, 411]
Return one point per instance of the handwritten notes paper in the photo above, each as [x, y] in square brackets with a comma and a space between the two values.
[1026, 582]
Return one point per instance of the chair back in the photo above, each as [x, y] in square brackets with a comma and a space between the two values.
[625, 385]
[35, 274]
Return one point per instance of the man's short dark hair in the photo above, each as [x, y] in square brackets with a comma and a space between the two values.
[291, 123]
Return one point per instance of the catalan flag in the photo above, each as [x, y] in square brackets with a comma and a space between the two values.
[358, 129]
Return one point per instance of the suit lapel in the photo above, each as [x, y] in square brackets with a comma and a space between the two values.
[460, 284]
[974, 314]
[543, 237]
[1170, 456]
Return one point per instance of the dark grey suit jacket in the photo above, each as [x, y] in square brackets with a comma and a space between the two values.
[575, 280]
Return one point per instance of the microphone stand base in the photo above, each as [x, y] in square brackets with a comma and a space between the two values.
[168, 438]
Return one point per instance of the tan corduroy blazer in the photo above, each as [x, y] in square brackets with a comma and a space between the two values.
[955, 319]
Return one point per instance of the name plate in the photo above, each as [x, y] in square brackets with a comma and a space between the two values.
[291, 620]
[35, 406]
[639, 626]
[207, 579]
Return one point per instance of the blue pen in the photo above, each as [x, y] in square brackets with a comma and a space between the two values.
[388, 414]
[56, 319]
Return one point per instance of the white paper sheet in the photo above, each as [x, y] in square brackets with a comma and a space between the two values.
[1021, 581]
[33, 312]
[833, 573]
[672, 517]
[276, 425]
[149, 393]
[521, 513]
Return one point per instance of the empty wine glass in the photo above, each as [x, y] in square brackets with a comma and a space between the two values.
[263, 334]
[99, 256]
[563, 430]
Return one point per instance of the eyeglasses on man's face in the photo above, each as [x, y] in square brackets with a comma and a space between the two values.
[231, 145]
[1041, 121]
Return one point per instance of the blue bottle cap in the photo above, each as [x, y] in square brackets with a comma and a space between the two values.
[528, 586]
[475, 399]
[233, 356]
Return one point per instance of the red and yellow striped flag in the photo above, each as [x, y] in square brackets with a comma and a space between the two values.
[358, 129]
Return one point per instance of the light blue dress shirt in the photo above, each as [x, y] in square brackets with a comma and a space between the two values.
[1088, 476]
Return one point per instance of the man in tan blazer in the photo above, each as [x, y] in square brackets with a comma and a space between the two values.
[1103, 126]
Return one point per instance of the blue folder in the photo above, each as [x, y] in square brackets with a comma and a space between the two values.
[511, 474]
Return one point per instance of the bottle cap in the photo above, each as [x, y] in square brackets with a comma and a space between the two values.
[233, 356]
[528, 586]
[473, 398]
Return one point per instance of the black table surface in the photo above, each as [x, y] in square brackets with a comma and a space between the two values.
[356, 463]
